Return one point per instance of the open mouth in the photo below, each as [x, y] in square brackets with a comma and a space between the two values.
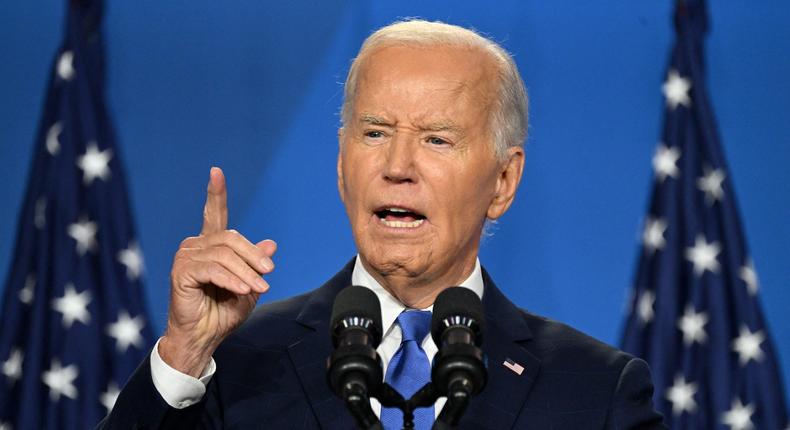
[397, 217]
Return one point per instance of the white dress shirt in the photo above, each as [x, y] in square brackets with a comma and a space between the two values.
[180, 390]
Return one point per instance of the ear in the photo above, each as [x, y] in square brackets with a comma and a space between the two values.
[340, 181]
[508, 178]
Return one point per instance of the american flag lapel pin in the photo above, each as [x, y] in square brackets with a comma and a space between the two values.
[513, 366]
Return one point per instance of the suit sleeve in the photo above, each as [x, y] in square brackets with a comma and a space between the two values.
[632, 406]
[140, 406]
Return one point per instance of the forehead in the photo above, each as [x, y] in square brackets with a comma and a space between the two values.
[426, 78]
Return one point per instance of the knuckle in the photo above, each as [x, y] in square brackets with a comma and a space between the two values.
[233, 236]
[178, 275]
[187, 243]
[230, 236]
[223, 253]
[214, 271]
[250, 273]
[246, 273]
[180, 257]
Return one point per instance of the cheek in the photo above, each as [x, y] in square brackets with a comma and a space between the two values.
[356, 183]
[468, 202]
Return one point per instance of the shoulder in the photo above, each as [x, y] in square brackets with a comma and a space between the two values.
[563, 348]
[578, 372]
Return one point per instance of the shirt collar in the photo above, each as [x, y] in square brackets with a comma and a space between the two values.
[392, 307]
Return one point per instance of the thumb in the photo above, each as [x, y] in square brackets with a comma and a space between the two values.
[268, 246]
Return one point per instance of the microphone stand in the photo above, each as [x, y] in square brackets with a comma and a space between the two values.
[425, 397]
[458, 399]
[358, 404]
[389, 397]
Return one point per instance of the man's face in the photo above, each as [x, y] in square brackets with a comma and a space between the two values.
[417, 170]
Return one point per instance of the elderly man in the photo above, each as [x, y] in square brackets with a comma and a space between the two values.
[434, 120]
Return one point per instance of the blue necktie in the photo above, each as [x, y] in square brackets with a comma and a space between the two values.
[409, 370]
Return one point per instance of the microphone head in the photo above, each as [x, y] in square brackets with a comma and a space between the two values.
[356, 306]
[457, 306]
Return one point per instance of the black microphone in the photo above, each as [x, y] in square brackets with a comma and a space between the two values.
[354, 368]
[459, 367]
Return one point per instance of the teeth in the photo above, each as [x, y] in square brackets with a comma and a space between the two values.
[403, 224]
[396, 210]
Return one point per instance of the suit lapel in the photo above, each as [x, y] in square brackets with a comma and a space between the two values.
[498, 406]
[310, 352]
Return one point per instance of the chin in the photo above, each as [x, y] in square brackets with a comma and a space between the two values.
[397, 260]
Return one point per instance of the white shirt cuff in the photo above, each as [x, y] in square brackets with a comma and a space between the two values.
[178, 389]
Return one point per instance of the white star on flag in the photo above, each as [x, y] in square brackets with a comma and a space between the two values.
[749, 276]
[60, 380]
[4, 426]
[747, 345]
[84, 232]
[94, 163]
[681, 394]
[109, 397]
[692, 324]
[73, 306]
[739, 417]
[710, 184]
[665, 162]
[676, 90]
[703, 255]
[132, 258]
[27, 293]
[653, 234]
[126, 331]
[644, 307]
[66, 66]
[53, 144]
[12, 367]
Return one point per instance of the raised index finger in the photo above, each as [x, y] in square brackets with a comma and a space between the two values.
[215, 213]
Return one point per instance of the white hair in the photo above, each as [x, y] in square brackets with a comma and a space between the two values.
[509, 117]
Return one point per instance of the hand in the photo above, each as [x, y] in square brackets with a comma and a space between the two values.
[214, 285]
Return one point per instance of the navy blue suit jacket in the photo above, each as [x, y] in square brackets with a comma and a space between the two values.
[271, 375]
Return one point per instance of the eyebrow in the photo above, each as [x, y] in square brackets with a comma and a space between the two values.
[448, 126]
[442, 126]
[374, 120]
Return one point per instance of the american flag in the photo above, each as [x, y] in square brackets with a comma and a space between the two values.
[74, 324]
[513, 366]
[696, 316]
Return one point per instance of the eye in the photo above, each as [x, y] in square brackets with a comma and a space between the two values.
[374, 134]
[433, 140]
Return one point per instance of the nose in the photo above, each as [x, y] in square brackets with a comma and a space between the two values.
[399, 165]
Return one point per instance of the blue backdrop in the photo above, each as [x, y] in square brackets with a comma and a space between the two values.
[255, 88]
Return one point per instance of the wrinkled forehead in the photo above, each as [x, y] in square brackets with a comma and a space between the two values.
[459, 74]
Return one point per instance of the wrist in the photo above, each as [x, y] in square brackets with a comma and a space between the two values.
[185, 355]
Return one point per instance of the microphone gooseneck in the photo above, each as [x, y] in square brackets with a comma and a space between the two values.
[354, 369]
[459, 368]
